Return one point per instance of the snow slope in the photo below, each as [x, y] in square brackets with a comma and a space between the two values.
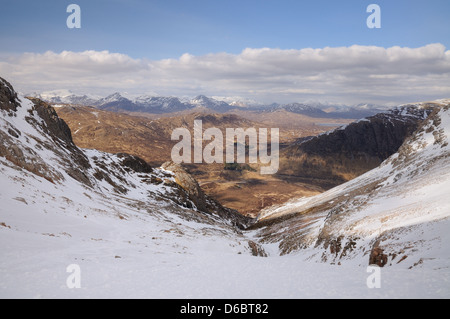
[107, 213]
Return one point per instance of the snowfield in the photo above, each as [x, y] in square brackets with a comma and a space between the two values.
[140, 244]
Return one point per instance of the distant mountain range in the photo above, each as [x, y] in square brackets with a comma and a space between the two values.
[162, 104]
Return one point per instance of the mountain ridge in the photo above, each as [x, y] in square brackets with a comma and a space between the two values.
[170, 104]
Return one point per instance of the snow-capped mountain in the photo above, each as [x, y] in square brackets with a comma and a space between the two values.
[240, 102]
[115, 102]
[304, 109]
[52, 95]
[357, 111]
[210, 103]
[164, 104]
[160, 104]
[327, 111]
[64, 97]
[397, 214]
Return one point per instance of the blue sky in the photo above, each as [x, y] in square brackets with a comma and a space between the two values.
[169, 28]
[265, 50]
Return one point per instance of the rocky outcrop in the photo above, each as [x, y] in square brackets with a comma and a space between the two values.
[135, 163]
[8, 97]
[55, 137]
[377, 257]
[54, 125]
[257, 250]
[188, 183]
[202, 202]
[23, 157]
[55, 128]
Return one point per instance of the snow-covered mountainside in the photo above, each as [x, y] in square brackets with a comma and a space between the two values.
[62, 205]
[35, 142]
[394, 215]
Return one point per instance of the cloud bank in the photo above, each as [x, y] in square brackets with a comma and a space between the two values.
[343, 74]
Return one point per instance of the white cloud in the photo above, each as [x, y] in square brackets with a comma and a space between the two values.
[343, 74]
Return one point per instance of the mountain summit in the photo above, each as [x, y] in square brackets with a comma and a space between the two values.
[211, 104]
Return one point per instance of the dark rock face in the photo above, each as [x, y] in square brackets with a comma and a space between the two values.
[380, 137]
[348, 152]
[135, 163]
[55, 129]
[60, 133]
[55, 126]
[8, 97]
